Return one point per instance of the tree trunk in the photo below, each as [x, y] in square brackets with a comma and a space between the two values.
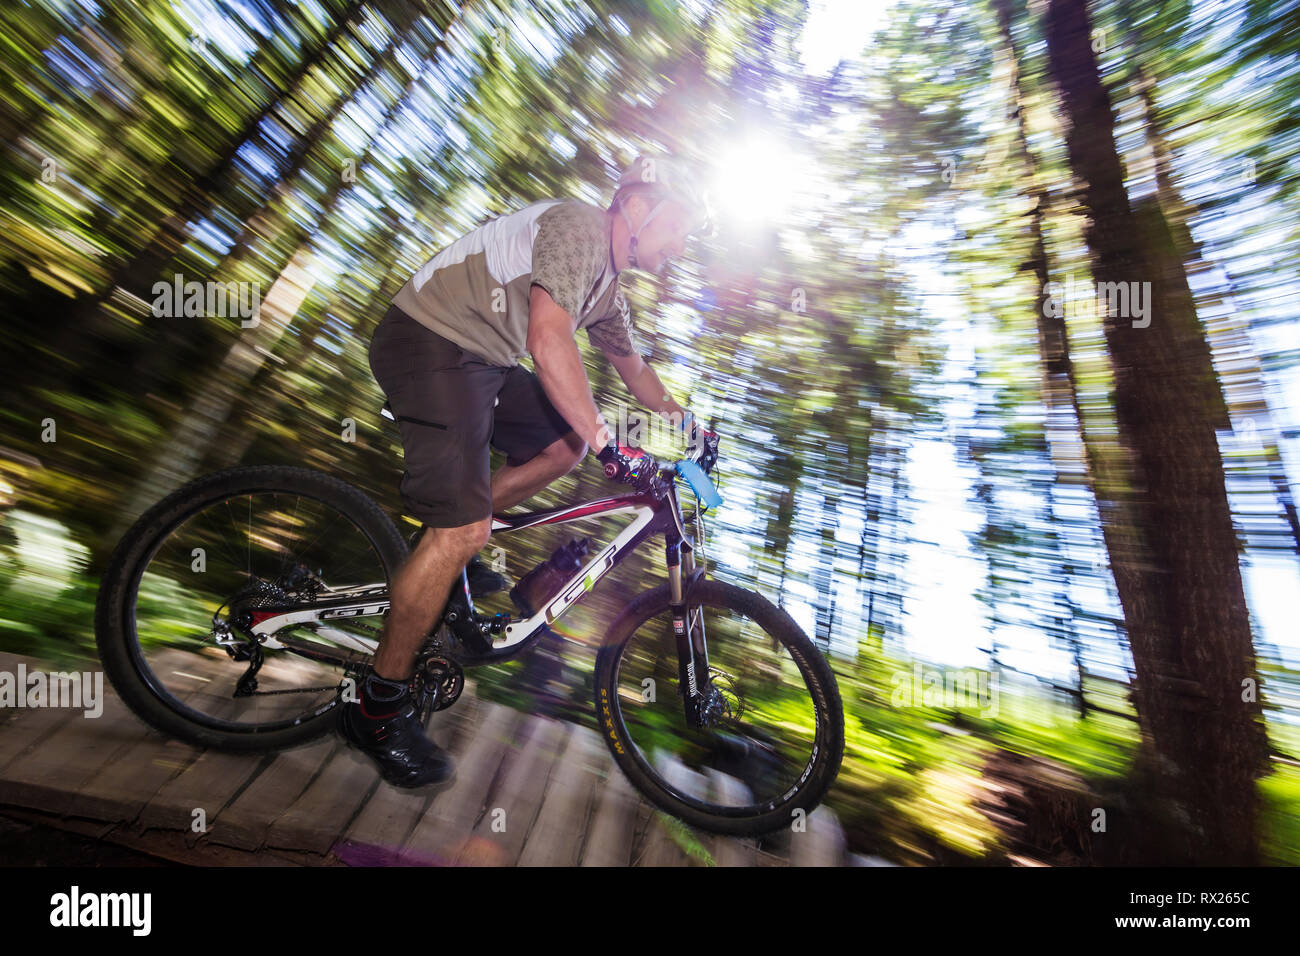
[139, 272]
[1230, 333]
[178, 458]
[1176, 565]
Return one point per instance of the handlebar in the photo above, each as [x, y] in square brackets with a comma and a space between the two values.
[694, 469]
[657, 480]
[707, 454]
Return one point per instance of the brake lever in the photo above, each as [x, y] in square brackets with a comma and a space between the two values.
[706, 444]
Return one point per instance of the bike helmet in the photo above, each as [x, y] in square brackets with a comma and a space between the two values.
[664, 178]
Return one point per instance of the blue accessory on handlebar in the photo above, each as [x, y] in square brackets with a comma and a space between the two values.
[700, 484]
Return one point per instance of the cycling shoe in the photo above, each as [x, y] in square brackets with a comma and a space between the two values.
[404, 754]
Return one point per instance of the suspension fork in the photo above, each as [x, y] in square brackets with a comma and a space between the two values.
[688, 634]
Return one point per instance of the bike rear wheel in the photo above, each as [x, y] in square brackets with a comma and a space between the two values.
[777, 742]
[238, 546]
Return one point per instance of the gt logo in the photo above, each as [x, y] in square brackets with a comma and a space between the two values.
[602, 563]
[359, 611]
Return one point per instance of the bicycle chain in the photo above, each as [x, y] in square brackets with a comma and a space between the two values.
[316, 690]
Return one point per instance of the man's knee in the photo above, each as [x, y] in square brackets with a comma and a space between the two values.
[565, 453]
[463, 542]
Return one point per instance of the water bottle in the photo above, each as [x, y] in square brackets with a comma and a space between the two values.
[536, 588]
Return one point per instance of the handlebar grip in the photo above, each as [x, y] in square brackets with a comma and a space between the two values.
[703, 488]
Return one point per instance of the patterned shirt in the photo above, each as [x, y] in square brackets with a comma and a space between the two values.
[475, 292]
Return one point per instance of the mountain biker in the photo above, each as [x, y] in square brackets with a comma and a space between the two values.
[447, 356]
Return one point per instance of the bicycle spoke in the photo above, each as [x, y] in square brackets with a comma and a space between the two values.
[175, 604]
[763, 733]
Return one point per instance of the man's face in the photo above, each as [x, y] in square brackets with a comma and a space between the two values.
[664, 237]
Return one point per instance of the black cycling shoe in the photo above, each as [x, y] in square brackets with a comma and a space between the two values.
[406, 757]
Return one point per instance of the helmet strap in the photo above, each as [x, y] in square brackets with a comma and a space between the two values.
[634, 233]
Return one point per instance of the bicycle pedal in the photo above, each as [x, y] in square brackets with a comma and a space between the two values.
[483, 580]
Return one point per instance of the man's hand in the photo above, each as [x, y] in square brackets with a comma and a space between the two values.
[701, 443]
[629, 465]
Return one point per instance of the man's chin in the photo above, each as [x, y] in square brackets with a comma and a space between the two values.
[655, 265]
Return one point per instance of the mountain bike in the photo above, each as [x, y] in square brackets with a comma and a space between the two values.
[239, 612]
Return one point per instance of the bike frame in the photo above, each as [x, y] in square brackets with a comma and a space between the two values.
[652, 514]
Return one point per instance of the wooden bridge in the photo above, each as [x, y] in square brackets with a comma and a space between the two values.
[530, 791]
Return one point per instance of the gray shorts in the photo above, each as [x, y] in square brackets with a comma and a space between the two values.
[450, 405]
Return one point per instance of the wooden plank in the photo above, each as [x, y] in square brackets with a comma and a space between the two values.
[168, 845]
[726, 790]
[513, 805]
[207, 784]
[376, 836]
[49, 775]
[9, 661]
[245, 822]
[859, 859]
[557, 835]
[611, 832]
[213, 777]
[121, 789]
[319, 818]
[379, 832]
[660, 848]
[440, 835]
[822, 843]
[22, 728]
[321, 814]
[774, 847]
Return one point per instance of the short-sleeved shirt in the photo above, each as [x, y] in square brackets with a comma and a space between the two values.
[475, 292]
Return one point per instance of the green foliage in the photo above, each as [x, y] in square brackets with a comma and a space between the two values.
[891, 302]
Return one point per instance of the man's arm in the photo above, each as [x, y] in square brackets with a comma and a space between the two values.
[560, 369]
[643, 382]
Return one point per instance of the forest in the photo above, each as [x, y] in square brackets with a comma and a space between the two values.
[998, 326]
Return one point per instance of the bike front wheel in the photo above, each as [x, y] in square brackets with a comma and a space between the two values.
[775, 737]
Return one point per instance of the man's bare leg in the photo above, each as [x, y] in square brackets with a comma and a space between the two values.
[512, 484]
[419, 592]
[420, 588]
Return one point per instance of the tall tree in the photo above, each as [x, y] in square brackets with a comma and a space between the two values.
[1177, 571]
